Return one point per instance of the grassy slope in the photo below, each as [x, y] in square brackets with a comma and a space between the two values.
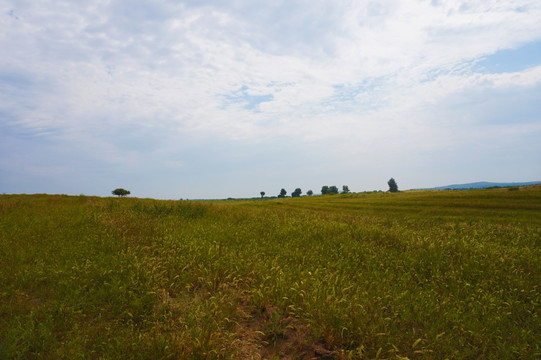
[422, 274]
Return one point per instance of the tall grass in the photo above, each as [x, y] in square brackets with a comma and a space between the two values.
[428, 275]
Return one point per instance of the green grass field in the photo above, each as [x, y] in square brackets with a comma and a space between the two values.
[417, 274]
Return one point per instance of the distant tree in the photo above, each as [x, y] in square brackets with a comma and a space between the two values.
[120, 192]
[345, 189]
[393, 186]
[309, 192]
[283, 193]
[296, 193]
[262, 194]
[329, 190]
[333, 190]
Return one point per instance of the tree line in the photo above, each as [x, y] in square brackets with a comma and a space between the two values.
[329, 190]
[325, 190]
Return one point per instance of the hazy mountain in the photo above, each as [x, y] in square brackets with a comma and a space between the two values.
[484, 185]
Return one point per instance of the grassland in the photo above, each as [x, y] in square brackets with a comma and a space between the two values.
[418, 275]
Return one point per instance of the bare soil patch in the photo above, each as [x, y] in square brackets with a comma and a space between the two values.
[264, 334]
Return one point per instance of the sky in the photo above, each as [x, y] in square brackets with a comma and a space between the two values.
[215, 99]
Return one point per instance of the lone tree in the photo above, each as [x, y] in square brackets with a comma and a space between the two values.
[309, 192]
[120, 192]
[393, 186]
[345, 189]
[283, 193]
[296, 193]
[262, 194]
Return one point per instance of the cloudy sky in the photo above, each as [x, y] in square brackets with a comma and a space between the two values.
[215, 99]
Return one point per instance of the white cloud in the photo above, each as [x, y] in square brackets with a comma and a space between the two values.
[355, 74]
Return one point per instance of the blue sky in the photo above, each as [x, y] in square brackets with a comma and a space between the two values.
[216, 99]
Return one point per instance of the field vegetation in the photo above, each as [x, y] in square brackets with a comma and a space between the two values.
[417, 274]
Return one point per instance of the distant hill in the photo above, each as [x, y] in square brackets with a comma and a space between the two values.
[483, 185]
